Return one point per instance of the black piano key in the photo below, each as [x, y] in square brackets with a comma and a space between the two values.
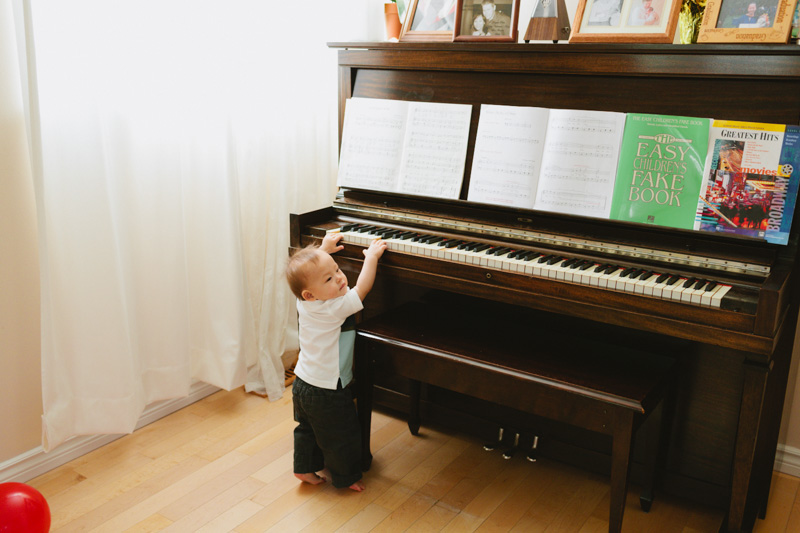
[610, 269]
[554, 260]
[587, 265]
[390, 234]
[515, 254]
[365, 229]
[546, 258]
[443, 243]
[482, 247]
[646, 275]
[711, 286]
[470, 247]
[673, 280]
[531, 256]
[503, 250]
[662, 278]
[435, 240]
[569, 262]
[700, 284]
[627, 272]
[350, 227]
[601, 267]
[689, 282]
[636, 273]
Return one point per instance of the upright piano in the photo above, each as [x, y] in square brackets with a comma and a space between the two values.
[734, 350]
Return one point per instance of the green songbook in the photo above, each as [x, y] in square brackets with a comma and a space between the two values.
[660, 170]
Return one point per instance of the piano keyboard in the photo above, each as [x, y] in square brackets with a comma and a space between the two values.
[608, 276]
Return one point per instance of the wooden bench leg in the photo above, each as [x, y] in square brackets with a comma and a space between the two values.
[659, 427]
[413, 408]
[620, 466]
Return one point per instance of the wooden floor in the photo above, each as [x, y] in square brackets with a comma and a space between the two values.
[225, 464]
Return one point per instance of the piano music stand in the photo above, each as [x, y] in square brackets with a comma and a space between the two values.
[549, 20]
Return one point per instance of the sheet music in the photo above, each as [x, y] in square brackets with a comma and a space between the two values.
[580, 162]
[372, 143]
[508, 155]
[434, 149]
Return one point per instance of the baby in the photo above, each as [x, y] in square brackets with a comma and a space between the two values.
[327, 439]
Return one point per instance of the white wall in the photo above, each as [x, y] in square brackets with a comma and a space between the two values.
[20, 383]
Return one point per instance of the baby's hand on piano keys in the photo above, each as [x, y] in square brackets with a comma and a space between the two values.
[376, 248]
[330, 244]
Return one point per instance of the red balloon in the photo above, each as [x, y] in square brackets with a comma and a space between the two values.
[23, 509]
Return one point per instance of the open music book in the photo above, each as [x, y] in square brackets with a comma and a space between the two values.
[414, 148]
[558, 160]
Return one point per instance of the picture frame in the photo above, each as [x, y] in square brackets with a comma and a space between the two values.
[625, 21]
[491, 22]
[743, 21]
[429, 21]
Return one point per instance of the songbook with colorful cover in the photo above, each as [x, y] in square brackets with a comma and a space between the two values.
[751, 180]
[660, 170]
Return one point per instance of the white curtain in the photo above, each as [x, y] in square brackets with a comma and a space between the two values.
[171, 139]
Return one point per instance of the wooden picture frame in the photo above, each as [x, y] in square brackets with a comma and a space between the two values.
[429, 21]
[720, 21]
[625, 21]
[472, 23]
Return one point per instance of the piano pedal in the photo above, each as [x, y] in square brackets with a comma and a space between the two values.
[508, 454]
[492, 445]
[533, 454]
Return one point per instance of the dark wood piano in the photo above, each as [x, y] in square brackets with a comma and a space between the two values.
[734, 354]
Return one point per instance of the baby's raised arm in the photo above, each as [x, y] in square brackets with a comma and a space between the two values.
[367, 276]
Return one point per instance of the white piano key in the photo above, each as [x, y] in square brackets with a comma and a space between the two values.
[718, 294]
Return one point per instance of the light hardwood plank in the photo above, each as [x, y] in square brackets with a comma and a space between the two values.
[225, 464]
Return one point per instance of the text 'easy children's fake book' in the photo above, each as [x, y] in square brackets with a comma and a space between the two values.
[660, 171]
[751, 180]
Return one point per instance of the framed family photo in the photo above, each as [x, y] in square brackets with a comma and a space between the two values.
[747, 21]
[625, 21]
[429, 20]
[486, 20]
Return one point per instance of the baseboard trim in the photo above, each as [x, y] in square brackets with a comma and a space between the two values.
[36, 462]
[787, 460]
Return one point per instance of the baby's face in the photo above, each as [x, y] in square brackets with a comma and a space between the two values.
[325, 281]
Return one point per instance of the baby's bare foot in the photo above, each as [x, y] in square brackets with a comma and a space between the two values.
[358, 486]
[311, 477]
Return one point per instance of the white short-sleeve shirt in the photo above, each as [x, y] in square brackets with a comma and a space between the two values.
[320, 324]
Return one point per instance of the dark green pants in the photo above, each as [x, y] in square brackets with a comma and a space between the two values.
[327, 433]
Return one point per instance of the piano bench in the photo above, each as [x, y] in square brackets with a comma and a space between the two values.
[591, 384]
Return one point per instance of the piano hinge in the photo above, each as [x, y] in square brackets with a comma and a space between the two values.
[460, 226]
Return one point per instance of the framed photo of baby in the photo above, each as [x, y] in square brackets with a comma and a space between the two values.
[486, 20]
[625, 21]
[747, 21]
